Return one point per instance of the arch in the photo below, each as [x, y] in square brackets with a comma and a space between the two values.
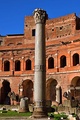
[28, 64]
[75, 87]
[62, 61]
[19, 43]
[75, 81]
[10, 44]
[5, 89]
[17, 65]
[28, 89]
[75, 59]
[6, 65]
[50, 63]
[51, 89]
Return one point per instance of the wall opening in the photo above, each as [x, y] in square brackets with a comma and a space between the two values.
[28, 90]
[50, 63]
[33, 32]
[51, 89]
[17, 65]
[6, 65]
[28, 64]
[75, 59]
[62, 61]
[75, 87]
[5, 89]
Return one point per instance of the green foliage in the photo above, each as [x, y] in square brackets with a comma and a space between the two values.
[54, 107]
[58, 116]
[74, 115]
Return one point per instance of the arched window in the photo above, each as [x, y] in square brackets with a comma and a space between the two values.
[28, 64]
[62, 61]
[50, 63]
[75, 59]
[6, 65]
[17, 65]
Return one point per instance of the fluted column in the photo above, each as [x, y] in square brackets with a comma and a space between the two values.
[40, 65]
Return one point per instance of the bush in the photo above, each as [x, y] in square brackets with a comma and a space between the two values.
[54, 108]
[57, 116]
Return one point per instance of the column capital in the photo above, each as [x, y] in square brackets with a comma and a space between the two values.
[40, 16]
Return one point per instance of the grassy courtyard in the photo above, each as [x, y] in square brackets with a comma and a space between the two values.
[13, 113]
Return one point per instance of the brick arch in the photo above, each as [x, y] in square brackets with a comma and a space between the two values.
[10, 44]
[28, 89]
[75, 86]
[75, 81]
[51, 89]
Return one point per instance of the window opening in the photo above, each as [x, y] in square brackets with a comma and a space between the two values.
[6, 65]
[17, 65]
[50, 63]
[28, 64]
[61, 27]
[75, 59]
[63, 61]
[33, 32]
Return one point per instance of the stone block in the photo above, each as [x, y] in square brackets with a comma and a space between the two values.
[73, 110]
[31, 107]
[74, 103]
[61, 108]
[67, 103]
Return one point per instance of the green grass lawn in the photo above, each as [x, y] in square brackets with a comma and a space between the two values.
[13, 114]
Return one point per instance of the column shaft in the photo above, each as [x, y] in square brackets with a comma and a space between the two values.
[39, 85]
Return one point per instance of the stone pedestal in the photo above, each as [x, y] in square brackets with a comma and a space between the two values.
[23, 105]
[40, 65]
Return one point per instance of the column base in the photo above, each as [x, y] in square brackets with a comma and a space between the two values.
[39, 113]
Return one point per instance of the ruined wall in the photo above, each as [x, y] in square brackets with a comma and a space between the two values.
[62, 39]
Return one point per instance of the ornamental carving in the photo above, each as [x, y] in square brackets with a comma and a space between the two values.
[40, 16]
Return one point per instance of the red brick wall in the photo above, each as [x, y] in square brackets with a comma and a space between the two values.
[62, 38]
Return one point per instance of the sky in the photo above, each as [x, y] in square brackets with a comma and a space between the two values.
[13, 12]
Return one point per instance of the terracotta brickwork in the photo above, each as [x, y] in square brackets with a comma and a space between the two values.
[62, 59]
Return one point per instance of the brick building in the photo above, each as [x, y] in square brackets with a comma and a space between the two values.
[62, 59]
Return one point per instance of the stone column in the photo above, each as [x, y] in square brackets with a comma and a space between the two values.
[40, 17]
[58, 93]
